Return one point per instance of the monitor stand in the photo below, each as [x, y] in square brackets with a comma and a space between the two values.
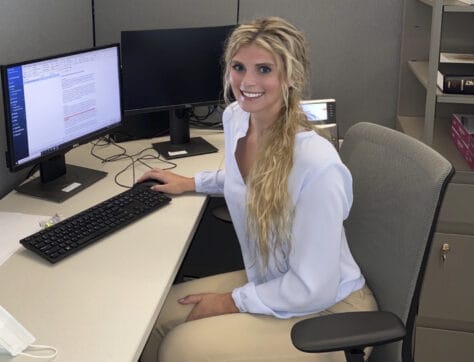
[181, 144]
[58, 181]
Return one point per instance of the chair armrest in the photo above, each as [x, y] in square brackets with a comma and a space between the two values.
[344, 331]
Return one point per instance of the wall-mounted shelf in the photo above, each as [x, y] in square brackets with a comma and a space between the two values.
[425, 112]
[420, 70]
[451, 5]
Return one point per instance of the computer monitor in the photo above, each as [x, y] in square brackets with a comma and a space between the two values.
[322, 114]
[54, 104]
[174, 70]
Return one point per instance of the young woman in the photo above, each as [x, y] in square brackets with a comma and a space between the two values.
[288, 194]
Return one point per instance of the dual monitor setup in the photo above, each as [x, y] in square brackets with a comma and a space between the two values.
[56, 103]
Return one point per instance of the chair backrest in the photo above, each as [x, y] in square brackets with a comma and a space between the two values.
[398, 187]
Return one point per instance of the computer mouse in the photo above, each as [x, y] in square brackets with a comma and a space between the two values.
[149, 182]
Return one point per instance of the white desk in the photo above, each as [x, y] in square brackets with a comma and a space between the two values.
[100, 303]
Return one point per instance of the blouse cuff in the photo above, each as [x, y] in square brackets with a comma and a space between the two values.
[247, 300]
[209, 182]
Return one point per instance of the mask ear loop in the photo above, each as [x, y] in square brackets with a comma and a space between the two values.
[39, 347]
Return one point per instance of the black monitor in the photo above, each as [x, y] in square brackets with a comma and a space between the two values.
[54, 104]
[174, 70]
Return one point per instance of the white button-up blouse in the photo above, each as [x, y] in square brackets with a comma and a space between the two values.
[319, 270]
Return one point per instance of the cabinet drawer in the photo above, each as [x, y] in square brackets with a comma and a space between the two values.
[457, 211]
[447, 291]
[437, 345]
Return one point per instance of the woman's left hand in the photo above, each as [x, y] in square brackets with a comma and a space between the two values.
[209, 304]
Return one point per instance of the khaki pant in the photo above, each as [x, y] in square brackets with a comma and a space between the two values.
[233, 337]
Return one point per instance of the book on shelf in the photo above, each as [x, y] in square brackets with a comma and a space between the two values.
[462, 134]
[456, 78]
[445, 57]
[463, 124]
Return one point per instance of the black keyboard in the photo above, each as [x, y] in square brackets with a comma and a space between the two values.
[74, 233]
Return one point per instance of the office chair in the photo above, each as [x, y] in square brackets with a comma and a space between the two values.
[399, 184]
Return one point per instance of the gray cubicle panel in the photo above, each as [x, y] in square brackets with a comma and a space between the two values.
[355, 52]
[113, 16]
[355, 45]
[31, 29]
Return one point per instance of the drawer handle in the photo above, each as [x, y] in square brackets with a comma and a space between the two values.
[445, 249]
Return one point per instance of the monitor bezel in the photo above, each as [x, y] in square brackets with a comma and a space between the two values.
[67, 146]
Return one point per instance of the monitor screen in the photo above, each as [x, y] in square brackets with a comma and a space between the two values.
[56, 103]
[173, 69]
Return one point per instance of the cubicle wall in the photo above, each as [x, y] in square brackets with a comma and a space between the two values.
[113, 16]
[31, 29]
[355, 48]
[354, 44]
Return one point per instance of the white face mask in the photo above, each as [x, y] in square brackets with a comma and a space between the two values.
[14, 338]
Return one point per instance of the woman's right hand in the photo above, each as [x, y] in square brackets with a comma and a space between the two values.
[171, 183]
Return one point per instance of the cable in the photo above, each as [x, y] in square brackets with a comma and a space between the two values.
[134, 158]
[32, 171]
[121, 155]
[199, 121]
[210, 110]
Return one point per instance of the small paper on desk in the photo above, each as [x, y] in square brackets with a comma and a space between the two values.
[13, 227]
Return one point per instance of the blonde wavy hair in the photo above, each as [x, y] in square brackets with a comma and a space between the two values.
[269, 207]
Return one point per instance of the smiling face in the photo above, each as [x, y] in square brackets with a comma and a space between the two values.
[256, 82]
